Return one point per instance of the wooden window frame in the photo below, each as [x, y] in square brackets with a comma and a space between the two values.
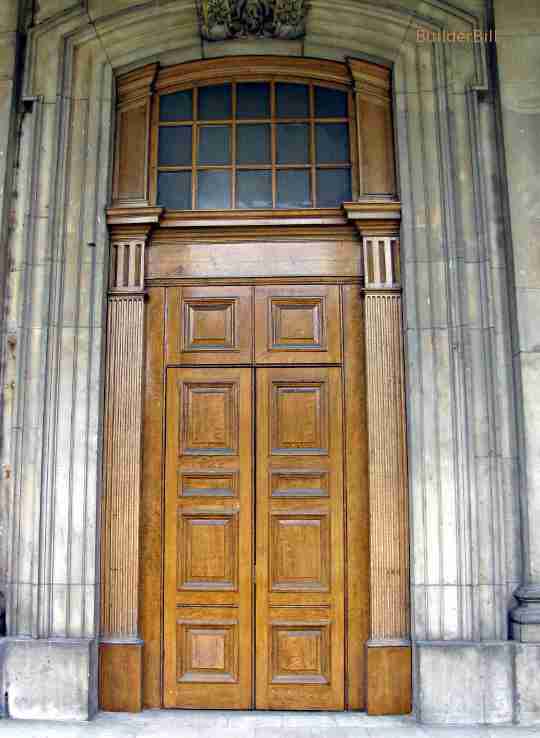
[370, 100]
[236, 76]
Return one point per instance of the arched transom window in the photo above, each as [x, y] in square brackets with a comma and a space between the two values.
[254, 144]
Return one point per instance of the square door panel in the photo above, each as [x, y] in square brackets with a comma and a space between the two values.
[207, 652]
[209, 325]
[209, 418]
[297, 325]
[300, 653]
[207, 550]
[299, 418]
[299, 552]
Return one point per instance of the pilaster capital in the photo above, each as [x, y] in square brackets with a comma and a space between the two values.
[130, 229]
[378, 224]
[375, 217]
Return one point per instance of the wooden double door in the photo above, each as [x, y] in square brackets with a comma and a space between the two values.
[265, 520]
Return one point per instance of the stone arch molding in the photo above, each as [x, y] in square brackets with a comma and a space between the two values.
[465, 554]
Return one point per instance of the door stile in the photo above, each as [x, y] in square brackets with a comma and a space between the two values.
[357, 495]
[254, 532]
[346, 656]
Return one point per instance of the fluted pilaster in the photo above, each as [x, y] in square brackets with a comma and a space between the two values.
[389, 654]
[120, 508]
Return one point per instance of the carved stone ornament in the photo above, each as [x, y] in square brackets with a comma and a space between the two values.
[228, 19]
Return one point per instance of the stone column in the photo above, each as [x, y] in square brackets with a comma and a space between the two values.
[518, 56]
[120, 645]
[389, 648]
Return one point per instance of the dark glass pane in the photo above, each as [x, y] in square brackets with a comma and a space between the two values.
[178, 106]
[214, 190]
[293, 189]
[215, 102]
[253, 100]
[332, 143]
[253, 144]
[292, 101]
[174, 147]
[292, 143]
[174, 190]
[333, 187]
[214, 145]
[330, 103]
[254, 189]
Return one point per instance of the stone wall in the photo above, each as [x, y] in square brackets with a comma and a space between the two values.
[466, 558]
[518, 57]
[10, 46]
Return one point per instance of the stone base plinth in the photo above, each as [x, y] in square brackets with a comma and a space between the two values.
[528, 683]
[52, 679]
[463, 682]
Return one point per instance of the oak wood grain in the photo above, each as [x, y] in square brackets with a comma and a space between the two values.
[297, 324]
[300, 556]
[120, 677]
[209, 325]
[357, 499]
[389, 685]
[207, 595]
[151, 596]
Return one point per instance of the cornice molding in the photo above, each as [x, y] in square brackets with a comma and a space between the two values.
[132, 223]
[188, 73]
[375, 217]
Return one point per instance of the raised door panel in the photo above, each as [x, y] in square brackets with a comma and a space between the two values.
[207, 588]
[209, 325]
[297, 325]
[300, 556]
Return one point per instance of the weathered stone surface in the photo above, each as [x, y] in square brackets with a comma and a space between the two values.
[466, 556]
[464, 683]
[518, 54]
[53, 680]
[47, 9]
[527, 689]
[9, 13]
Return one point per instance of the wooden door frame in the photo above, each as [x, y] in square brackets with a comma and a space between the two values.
[131, 534]
[129, 522]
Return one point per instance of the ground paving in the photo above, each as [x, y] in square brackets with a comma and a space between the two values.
[214, 724]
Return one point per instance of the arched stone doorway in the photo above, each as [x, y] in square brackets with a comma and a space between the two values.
[466, 551]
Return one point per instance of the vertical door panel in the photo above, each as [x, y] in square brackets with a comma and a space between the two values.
[207, 589]
[300, 557]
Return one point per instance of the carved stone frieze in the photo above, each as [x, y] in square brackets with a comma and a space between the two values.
[227, 19]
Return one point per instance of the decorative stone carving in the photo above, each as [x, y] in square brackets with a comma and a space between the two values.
[227, 19]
